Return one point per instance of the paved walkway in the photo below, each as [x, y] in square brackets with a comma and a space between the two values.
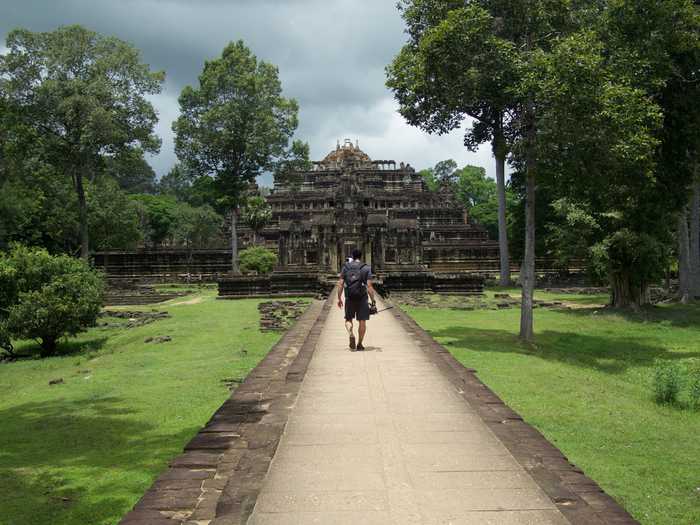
[381, 437]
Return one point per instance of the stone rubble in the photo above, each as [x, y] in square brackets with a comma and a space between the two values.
[280, 315]
[135, 318]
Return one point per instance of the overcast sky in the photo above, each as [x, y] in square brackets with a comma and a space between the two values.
[331, 56]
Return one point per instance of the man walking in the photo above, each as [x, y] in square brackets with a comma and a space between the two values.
[355, 281]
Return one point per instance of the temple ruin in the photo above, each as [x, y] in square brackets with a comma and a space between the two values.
[414, 238]
[348, 200]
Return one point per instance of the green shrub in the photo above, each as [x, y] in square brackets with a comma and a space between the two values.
[46, 297]
[257, 259]
[694, 391]
[5, 340]
[667, 382]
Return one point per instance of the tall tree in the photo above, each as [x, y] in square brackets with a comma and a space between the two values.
[234, 126]
[444, 173]
[618, 112]
[458, 63]
[196, 227]
[694, 231]
[295, 160]
[36, 208]
[472, 59]
[689, 246]
[479, 194]
[157, 216]
[176, 182]
[113, 218]
[83, 95]
[132, 171]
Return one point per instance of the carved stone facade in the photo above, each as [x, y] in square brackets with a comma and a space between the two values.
[349, 200]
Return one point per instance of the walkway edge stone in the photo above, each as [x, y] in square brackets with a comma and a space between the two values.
[578, 498]
[218, 477]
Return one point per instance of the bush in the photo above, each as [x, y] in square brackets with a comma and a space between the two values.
[694, 392]
[46, 297]
[257, 259]
[667, 382]
[5, 340]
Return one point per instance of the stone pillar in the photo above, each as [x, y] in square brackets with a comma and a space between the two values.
[334, 255]
[381, 251]
[282, 249]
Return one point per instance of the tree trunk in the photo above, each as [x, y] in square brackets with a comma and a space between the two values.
[625, 294]
[499, 152]
[82, 211]
[694, 244]
[527, 271]
[48, 346]
[234, 243]
[683, 258]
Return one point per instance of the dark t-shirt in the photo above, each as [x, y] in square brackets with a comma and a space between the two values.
[365, 272]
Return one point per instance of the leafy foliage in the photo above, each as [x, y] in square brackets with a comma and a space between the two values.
[157, 217]
[196, 227]
[694, 389]
[113, 217]
[234, 125]
[46, 297]
[569, 235]
[473, 189]
[176, 182]
[131, 170]
[83, 96]
[668, 381]
[294, 160]
[256, 213]
[36, 208]
[257, 259]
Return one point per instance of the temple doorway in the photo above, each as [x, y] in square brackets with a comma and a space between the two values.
[345, 251]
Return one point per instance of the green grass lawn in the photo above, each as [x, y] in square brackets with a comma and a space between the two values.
[83, 452]
[587, 386]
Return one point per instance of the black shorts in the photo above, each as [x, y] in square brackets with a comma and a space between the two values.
[357, 309]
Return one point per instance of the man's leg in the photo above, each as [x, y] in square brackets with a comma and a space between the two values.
[348, 327]
[361, 332]
[362, 318]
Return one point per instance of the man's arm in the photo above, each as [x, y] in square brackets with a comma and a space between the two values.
[340, 286]
[370, 290]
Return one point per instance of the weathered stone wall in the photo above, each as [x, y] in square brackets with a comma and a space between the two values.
[278, 284]
[281, 284]
[165, 265]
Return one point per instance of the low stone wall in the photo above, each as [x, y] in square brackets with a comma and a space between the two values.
[445, 283]
[278, 284]
[289, 284]
[165, 265]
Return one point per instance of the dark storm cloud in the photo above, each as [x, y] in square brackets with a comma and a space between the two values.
[331, 56]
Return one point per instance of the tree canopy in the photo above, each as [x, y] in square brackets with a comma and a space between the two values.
[80, 98]
[234, 126]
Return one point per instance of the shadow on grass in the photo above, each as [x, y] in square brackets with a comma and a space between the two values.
[70, 459]
[611, 355]
[678, 315]
[65, 347]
